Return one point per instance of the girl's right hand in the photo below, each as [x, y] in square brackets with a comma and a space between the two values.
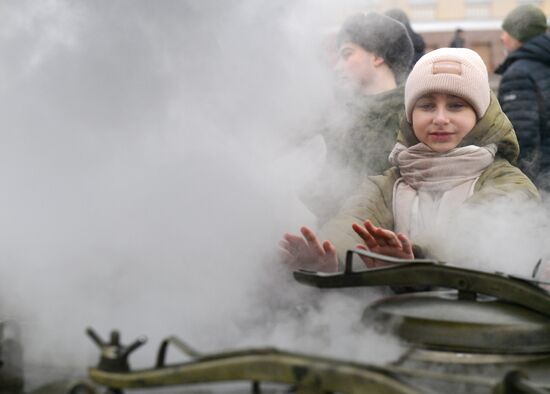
[308, 252]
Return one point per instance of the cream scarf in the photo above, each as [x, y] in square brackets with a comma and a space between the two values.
[433, 185]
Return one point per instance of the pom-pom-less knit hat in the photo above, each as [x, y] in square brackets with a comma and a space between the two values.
[457, 71]
[525, 22]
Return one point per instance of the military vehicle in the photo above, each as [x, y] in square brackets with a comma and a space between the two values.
[463, 331]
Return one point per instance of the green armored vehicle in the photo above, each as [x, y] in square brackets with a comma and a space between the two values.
[462, 331]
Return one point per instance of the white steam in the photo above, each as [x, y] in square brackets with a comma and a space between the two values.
[508, 236]
[147, 176]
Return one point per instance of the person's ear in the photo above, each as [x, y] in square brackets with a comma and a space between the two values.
[378, 61]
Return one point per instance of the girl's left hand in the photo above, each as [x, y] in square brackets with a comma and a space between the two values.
[382, 241]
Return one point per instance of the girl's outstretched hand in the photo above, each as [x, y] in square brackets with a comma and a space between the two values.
[382, 241]
[307, 252]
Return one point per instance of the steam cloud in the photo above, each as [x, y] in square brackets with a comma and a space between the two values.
[147, 170]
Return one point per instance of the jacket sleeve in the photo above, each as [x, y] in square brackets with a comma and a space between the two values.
[518, 96]
[372, 201]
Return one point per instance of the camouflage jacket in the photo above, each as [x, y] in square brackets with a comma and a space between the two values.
[365, 145]
[358, 148]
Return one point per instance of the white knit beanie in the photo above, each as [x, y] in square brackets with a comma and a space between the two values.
[457, 71]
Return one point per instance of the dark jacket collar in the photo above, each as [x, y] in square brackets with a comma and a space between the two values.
[536, 49]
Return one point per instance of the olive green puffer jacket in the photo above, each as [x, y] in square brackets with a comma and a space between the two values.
[373, 200]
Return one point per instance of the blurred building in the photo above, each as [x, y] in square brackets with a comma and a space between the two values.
[437, 20]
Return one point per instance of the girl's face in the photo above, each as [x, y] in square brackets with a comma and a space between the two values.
[441, 120]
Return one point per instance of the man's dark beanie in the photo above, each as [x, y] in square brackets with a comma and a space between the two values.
[383, 36]
[525, 22]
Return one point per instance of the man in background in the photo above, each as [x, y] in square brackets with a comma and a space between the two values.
[458, 39]
[374, 57]
[524, 91]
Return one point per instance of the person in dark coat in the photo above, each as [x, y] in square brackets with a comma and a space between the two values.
[418, 42]
[524, 91]
[458, 39]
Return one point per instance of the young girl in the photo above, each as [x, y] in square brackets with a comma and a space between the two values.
[455, 148]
